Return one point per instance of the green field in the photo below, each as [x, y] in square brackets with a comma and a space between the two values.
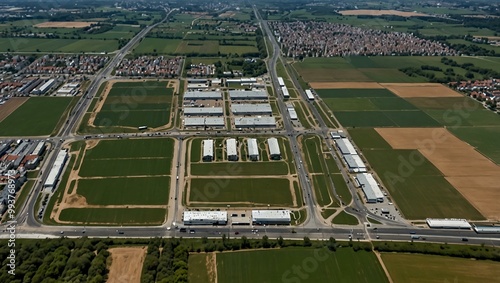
[134, 104]
[485, 139]
[131, 148]
[125, 167]
[157, 45]
[411, 118]
[114, 216]
[263, 191]
[125, 191]
[413, 268]
[345, 219]
[56, 45]
[44, 112]
[344, 265]
[197, 271]
[240, 168]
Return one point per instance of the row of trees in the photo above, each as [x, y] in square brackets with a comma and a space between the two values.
[170, 265]
[261, 43]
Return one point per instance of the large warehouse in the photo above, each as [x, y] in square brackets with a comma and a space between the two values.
[281, 81]
[291, 112]
[55, 171]
[309, 94]
[274, 148]
[253, 149]
[370, 188]
[345, 146]
[204, 217]
[448, 223]
[231, 150]
[208, 150]
[285, 92]
[354, 163]
[252, 109]
[216, 122]
[203, 111]
[261, 217]
[255, 122]
[202, 95]
[248, 94]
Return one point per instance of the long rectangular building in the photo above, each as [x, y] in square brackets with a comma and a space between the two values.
[208, 150]
[204, 217]
[252, 109]
[281, 81]
[448, 223]
[253, 149]
[255, 122]
[285, 92]
[292, 112]
[309, 94]
[203, 111]
[56, 169]
[354, 163]
[345, 146]
[202, 95]
[370, 187]
[274, 148]
[216, 122]
[248, 95]
[231, 150]
[280, 217]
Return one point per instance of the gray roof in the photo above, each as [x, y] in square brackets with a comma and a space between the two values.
[369, 186]
[194, 95]
[345, 146]
[200, 122]
[274, 148]
[231, 147]
[248, 94]
[253, 148]
[203, 111]
[355, 162]
[243, 122]
[258, 108]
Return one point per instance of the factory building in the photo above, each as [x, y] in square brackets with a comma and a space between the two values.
[252, 109]
[354, 163]
[203, 111]
[370, 188]
[279, 217]
[281, 81]
[337, 134]
[345, 146]
[309, 94]
[202, 95]
[204, 217]
[45, 87]
[255, 122]
[55, 171]
[291, 112]
[208, 150]
[285, 92]
[231, 150]
[248, 95]
[253, 149]
[274, 148]
[214, 122]
[448, 223]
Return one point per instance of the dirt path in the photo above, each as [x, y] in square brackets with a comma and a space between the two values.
[212, 267]
[126, 264]
[383, 266]
[10, 106]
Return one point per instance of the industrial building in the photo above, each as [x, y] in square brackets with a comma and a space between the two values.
[486, 229]
[345, 146]
[274, 148]
[208, 150]
[253, 149]
[252, 109]
[255, 122]
[448, 223]
[45, 87]
[231, 150]
[337, 134]
[202, 95]
[291, 112]
[215, 122]
[248, 95]
[241, 81]
[203, 111]
[69, 89]
[354, 163]
[204, 217]
[281, 81]
[370, 188]
[285, 92]
[280, 217]
[309, 94]
[56, 170]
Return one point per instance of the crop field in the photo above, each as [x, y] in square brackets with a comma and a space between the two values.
[415, 118]
[56, 45]
[484, 139]
[436, 269]
[240, 168]
[128, 105]
[46, 111]
[344, 265]
[262, 191]
[115, 175]
[198, 46]
[157, 45]
[355, 93]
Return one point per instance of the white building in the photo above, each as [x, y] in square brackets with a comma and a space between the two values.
[253, 149]
[203, 111]
[45, 87]
[448, 223]
[370, 187]
[248, 95]
[281, 81]
[252, 109]
[214, 122]
[231, 150]
[354, 163]
[261, 217]
[309, 94]
[255, 122]
[292, 112]
[202, 95]
[345, 146]
[285, 92]
[208, 150]
[56, 170]
[204, 217]
[274, 148]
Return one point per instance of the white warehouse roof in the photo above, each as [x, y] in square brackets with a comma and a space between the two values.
[250, 94]
[195, 95]
[369, 186]
[246, 122]
[355, 163]
[203, 111]
[274, 148]
[281, 81]
[200, 122]
[253, 149]
[272, 214]
[56, 169]
[209, 216]
[208, 148]
[285, 92]
[247, 108]
[292, 112]
[231, 147]
[345, 146]
[309, 94]
[451, 223]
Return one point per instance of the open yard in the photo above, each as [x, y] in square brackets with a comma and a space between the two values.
[44, 112]
[344, 265]
[10, 106]
[64, 24]
[126, 264]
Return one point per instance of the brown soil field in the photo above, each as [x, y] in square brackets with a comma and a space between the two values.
[327, 85]
[126, 264]
[10, 106]
[64, 24]
[380, 12]
[473, 175]
[421, 90]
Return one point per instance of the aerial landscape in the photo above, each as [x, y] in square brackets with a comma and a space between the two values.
[249, 141]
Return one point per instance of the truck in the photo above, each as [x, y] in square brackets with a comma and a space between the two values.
[140, 128]
[415, 237]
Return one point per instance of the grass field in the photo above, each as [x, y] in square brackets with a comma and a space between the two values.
[57, 45]
[412, 118]
[355, 93]
[197, 271]
[120, 191]
[115, 216]
[131, 148]
[157, 45]
[485, 139]
[409, 268]
[344, 265]
[273, 191]
[240, 168]
[345, 219]
[44, 112]
[125, 167]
